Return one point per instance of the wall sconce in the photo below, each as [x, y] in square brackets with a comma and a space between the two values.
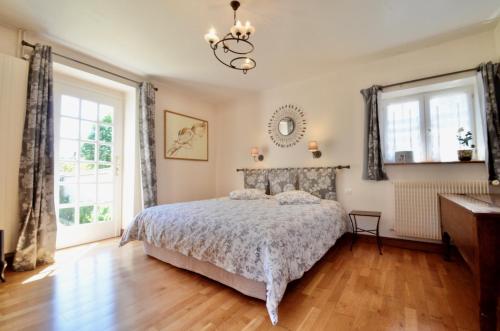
[313, 147]
[254, 152]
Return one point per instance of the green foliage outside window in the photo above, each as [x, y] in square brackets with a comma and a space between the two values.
[104, 214]
[86, 214]
[87, 151]
[67, 216]
[63, 196]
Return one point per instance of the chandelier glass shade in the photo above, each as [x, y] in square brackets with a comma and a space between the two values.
[234, 49]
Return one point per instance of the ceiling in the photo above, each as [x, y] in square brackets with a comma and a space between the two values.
[294, 39]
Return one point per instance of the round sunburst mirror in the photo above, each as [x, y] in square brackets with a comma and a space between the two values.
[287, 126]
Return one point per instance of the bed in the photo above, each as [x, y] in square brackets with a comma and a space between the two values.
[254, 246]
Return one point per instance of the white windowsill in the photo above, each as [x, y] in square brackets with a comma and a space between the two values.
[432, 162]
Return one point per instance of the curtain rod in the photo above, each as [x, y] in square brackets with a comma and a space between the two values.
[335, 167]
[27, 44]
[430, 77]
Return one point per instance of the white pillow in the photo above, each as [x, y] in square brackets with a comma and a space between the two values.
[248, 194]
[296, 198]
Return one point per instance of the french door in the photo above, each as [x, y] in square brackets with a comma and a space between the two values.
[88, 144]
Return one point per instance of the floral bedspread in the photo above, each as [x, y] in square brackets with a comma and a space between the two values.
[258, 239]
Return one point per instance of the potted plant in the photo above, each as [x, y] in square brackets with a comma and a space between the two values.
[465, 140]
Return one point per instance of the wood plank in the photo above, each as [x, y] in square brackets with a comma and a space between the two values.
[101, 287]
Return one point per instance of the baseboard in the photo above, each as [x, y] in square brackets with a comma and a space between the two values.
[403, 243]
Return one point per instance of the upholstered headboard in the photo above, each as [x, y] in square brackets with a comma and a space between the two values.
[319, 181]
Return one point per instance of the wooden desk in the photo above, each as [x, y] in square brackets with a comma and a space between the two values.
[472, 223]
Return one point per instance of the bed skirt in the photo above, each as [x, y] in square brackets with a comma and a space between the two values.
[242, 284]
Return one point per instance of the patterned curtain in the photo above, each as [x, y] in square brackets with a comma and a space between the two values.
[491, 87]
[37, 237]
[147, 142]
[373, 167]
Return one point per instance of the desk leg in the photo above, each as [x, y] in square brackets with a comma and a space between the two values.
[446, 246]
[487, 309]
[379, 241]
[354, 225]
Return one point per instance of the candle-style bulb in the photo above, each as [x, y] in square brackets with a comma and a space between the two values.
[246, 65]
[249, 29]
[211, 37]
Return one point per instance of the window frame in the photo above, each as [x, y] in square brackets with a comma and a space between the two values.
[79, 233]
[423, 95]
[383, 117]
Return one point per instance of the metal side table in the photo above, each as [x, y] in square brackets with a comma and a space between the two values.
[356, 229]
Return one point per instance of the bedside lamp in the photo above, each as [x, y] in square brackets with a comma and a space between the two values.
[254, 152]
[313, 147]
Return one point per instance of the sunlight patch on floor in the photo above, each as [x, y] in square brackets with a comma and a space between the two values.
[64, 258]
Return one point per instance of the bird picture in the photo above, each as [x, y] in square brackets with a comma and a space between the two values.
[186, 137]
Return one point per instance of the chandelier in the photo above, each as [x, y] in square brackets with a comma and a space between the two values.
[233, 50]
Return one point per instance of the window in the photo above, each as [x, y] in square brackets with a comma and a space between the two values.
[88, 142]
[426, 120]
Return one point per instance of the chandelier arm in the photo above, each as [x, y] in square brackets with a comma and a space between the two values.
[230, 65]
[223, 42]
[243, 58]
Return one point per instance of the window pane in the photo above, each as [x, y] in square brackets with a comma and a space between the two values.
[104, 213]
[105, 153]
[69, 106]
[106, 114]
[67, 193]
[68, 149]
[87, 152]
[87, 173]
[87, 192]
[403, 130]
[86, 214]
[67, 216]
[106, 133]
[67, 172]
[105, 173]
[89, 110]
[105, 193]
[88, 130]
[68, 128]
[448, 113]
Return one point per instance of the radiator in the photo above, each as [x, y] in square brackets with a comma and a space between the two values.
[416, 204]
[13, 82]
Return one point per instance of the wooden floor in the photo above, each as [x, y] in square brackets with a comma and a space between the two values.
[103, 287]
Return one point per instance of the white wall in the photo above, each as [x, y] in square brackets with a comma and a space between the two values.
[8, 40]
[334, 111]
[497, 40]
[182, 180]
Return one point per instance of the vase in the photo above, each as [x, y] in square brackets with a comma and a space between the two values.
[465, 155]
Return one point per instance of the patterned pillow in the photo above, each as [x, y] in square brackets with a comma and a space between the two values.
[282, 180]
[256, 178]
[248, 194]
[296, 198]
[319, 182]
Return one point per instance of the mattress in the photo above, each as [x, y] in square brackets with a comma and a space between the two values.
[244, 285]
[259, 240]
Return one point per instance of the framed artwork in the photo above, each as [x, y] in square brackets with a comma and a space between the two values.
[186, 137]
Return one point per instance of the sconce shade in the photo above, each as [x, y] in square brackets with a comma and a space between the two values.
[312, 146]
[254, 151]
